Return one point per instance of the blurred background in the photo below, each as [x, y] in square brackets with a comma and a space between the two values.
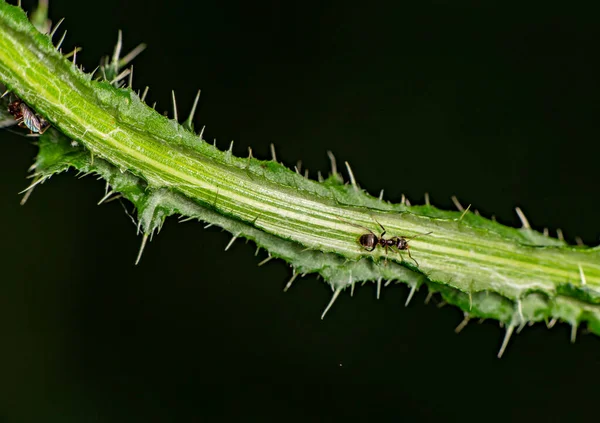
[497, 106]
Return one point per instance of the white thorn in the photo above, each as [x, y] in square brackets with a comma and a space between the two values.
[145, 93]
[381, 195]
[273, 155]
[187, 219]
[403, 200]
[428, 298]
[579, 241]
[524, 222]
[132, 54]
[103, 199]
[297, 170]
[407, 202]
[351, 289]
[61, 40]
[231, 242]
[193, 111]
[388, 282]
[552, 322]
[231, 147]
[121, 76]
[559, 234]
[139, 256]
[333, 298]
[464, 213]
[131, 78]
[265, 261]
[470, 301]
[352, 180]
[208, 226]
[507, 335]
[201, 132]
[581, 275]
[573, 332]
[290, 282]
[250, 153]
[410, 295]
[117, 51]
[5, 93]
[30, 187]
[457, 203]
[546, 232]
[174, 106]
[427, 199]
[333, 163]
[378, 287]
[462, 324]
[55, 28]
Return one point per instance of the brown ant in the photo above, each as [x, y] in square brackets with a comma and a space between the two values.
[370, 241]
[26, 118]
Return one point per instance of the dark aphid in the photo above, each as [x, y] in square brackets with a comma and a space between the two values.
[370, 241]
[26, 118]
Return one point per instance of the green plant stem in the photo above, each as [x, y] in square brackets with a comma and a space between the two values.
[468, 258]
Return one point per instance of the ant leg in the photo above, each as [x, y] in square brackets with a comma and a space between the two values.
[411, 257]
[382, 228]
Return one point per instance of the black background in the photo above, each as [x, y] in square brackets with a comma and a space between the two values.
[495, 105]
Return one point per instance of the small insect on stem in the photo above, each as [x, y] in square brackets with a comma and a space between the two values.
[26, 118]
[370, 241]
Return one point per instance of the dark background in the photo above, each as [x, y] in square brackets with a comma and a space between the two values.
[495, 105]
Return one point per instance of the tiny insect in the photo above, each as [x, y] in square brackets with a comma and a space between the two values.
[26, 118]
[370, 241]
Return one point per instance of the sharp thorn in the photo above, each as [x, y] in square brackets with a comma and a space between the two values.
[381, 195]
[145, 93]
[378, 287]
[507, 335]
[201, 132]
[231, 242]
[427, 203]
[333, 163]
[103, 199]
[290, 282]
[351, 174]
[189, 123]
[139, 256]
[573, 332]
[61, 40]
[524, 222]
[333, 298]
[462, 324]
[410, 295]
[457, 203]
[265, 261]
[131, 78]
[559, 234]
[273, 155]
[120, 76]
[464, 213]
[174, 106]
[208, 226]
[117, 51]
[132, 55]
[55, 28]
